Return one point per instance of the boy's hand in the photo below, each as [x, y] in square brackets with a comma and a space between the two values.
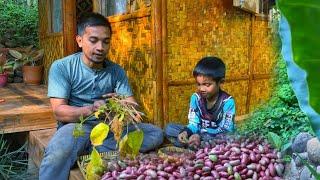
[194, 140]
[183, 137]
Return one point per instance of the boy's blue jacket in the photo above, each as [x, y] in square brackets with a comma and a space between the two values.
[216, 120]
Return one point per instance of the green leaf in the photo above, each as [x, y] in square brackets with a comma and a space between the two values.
[95, 167]
[299, 34]
[274, 140]
[130, 144]
[286, 146]
[99, 133]
[78, 130]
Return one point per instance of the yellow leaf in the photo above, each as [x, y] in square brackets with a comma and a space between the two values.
[96, 114]
[99, 133]
[95, 167]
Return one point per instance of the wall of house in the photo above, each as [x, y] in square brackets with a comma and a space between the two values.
[51, 43]
[131, 47]
[213, 27]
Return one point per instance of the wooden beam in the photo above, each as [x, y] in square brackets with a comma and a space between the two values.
[158, 70]
[192, 81]
[261, 76]
[69, 27]
[165, 86]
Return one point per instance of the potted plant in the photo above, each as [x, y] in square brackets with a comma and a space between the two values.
[31, 60]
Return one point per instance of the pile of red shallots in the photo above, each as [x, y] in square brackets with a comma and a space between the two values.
[222, 158]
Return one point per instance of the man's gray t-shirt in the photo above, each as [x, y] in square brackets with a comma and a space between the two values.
[71, 79]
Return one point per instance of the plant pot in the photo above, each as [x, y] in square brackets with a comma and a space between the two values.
[3, 79]
[32, 74]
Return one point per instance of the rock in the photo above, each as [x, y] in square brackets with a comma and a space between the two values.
[298, 160]
[291, 170]
[313, 149]
[305, 174]
[299, 144]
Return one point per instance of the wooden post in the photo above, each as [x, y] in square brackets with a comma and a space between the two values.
[165, 63]
[158, 64]
[69, 27]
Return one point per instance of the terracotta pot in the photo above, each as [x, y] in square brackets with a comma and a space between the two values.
[32, 74]
[3, 79]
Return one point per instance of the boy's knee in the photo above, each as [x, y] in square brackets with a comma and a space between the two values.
[170, 129]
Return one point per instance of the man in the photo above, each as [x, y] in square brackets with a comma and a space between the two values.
[76, 86]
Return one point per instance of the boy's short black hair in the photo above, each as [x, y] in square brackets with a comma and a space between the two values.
[91, 19]
[212, 67]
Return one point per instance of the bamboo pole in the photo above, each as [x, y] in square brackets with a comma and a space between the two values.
[250, 69]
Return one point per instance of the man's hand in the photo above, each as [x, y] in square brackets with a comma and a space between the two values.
[183, 137]
[97, 104]
[109, 95]
[194, 140]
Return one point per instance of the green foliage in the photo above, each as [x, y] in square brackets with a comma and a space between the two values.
[130, 144]
[19, 22]
[298, 34]
[304, 30]
[275, 140]
[13, 164]
[281, 114]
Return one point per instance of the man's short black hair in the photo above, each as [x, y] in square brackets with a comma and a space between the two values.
[91, 19]
[212, 67]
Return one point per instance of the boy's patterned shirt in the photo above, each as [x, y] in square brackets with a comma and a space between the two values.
[218, 119]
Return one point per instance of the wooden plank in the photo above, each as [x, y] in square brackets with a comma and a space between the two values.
[75, 174]
[38, 141]
[191, 81]
[25, 108]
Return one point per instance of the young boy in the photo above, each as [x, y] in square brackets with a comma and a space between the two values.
[211, 111]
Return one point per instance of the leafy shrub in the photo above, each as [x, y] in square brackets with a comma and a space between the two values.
[18, 22]
[13, 163]
[281, 114]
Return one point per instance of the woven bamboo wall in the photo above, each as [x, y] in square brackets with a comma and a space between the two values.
[52, 43]
[213, 27]
[263, 60]
[131, 47]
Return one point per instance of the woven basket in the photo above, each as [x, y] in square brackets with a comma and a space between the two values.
[173, 153]
[84, 160]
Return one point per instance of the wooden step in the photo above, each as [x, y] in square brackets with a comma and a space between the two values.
[38, 141]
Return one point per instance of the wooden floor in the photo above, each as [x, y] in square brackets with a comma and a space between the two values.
[25, 108]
